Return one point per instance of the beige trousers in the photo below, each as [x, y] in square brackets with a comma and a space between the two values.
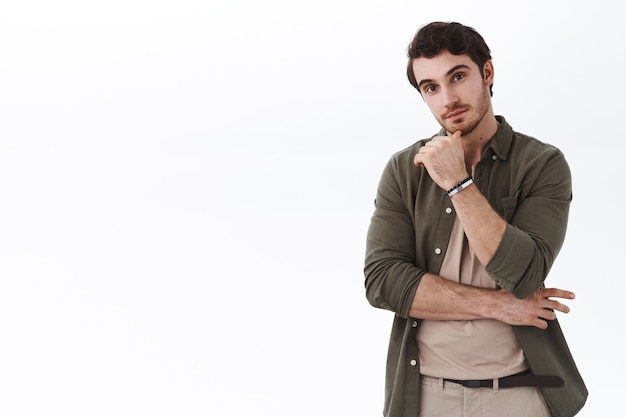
[441, 398]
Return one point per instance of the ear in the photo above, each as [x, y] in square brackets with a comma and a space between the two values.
[488, 72]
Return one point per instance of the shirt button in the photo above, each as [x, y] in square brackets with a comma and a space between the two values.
[448, 210]
[494, 157]
[414, 324]
[437, 251]
[413, 362]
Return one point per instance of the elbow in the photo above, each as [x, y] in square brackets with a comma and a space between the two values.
[392, 286]
[521, 264]
[373, 290]
[532, 279]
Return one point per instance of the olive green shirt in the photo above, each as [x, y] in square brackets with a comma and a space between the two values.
[528, 183]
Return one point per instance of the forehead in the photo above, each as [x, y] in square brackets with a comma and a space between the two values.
[438, 67]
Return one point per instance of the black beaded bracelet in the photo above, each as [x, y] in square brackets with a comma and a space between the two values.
[460, 186]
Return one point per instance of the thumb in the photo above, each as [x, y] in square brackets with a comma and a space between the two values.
[457, 135]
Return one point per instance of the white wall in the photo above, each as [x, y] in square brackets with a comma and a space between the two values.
[185, 189]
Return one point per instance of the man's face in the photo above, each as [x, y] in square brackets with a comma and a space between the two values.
[454, 90]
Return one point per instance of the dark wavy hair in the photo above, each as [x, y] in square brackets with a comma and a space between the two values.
[458, 39]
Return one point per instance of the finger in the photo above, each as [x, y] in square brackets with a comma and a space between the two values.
[547, 314]
[555, 305]
[456, 135]
[540, 323]
[417, 160]
[558, 293]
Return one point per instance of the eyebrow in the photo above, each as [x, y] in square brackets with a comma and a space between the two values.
[450, 72]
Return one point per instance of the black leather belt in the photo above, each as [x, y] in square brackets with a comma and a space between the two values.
[523, 379]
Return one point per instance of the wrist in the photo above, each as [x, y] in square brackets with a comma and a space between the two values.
[460, 186]
[491, 306]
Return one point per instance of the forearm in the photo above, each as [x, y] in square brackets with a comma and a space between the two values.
[437, 298]
[483, 227]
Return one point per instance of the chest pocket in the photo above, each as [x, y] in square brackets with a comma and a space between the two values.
[507, 206]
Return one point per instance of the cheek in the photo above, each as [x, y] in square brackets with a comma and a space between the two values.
[433, 104]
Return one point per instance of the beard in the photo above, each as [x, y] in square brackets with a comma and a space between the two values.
[474, 115]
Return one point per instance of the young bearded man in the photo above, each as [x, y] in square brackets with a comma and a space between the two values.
[466, 227]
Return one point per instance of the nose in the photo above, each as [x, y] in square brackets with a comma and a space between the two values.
[450, 98]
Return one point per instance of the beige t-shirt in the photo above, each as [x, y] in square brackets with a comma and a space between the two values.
[467, 349]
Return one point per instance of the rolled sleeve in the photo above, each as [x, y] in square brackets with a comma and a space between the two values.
[391, 276]
[537, 226]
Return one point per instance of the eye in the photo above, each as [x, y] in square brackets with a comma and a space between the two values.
[430, 89]
[458, 76]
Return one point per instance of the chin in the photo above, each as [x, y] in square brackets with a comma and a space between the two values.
[454, 126]
[465, 127]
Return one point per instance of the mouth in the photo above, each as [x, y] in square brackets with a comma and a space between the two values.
[457, 114]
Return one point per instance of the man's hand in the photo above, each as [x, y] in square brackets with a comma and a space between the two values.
[444, 159]
[534, 310]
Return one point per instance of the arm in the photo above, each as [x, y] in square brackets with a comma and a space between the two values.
[537, 222]
[483, 227]
[391, 271]
[397, 281]
[519, 249]
[437, 298]
[517, 255]
[444, 158]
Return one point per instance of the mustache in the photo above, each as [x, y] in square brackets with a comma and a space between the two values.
[455, 109]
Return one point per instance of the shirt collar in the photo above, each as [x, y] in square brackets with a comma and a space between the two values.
[501, 142]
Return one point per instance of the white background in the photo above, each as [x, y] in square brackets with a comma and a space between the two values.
[185, 189]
